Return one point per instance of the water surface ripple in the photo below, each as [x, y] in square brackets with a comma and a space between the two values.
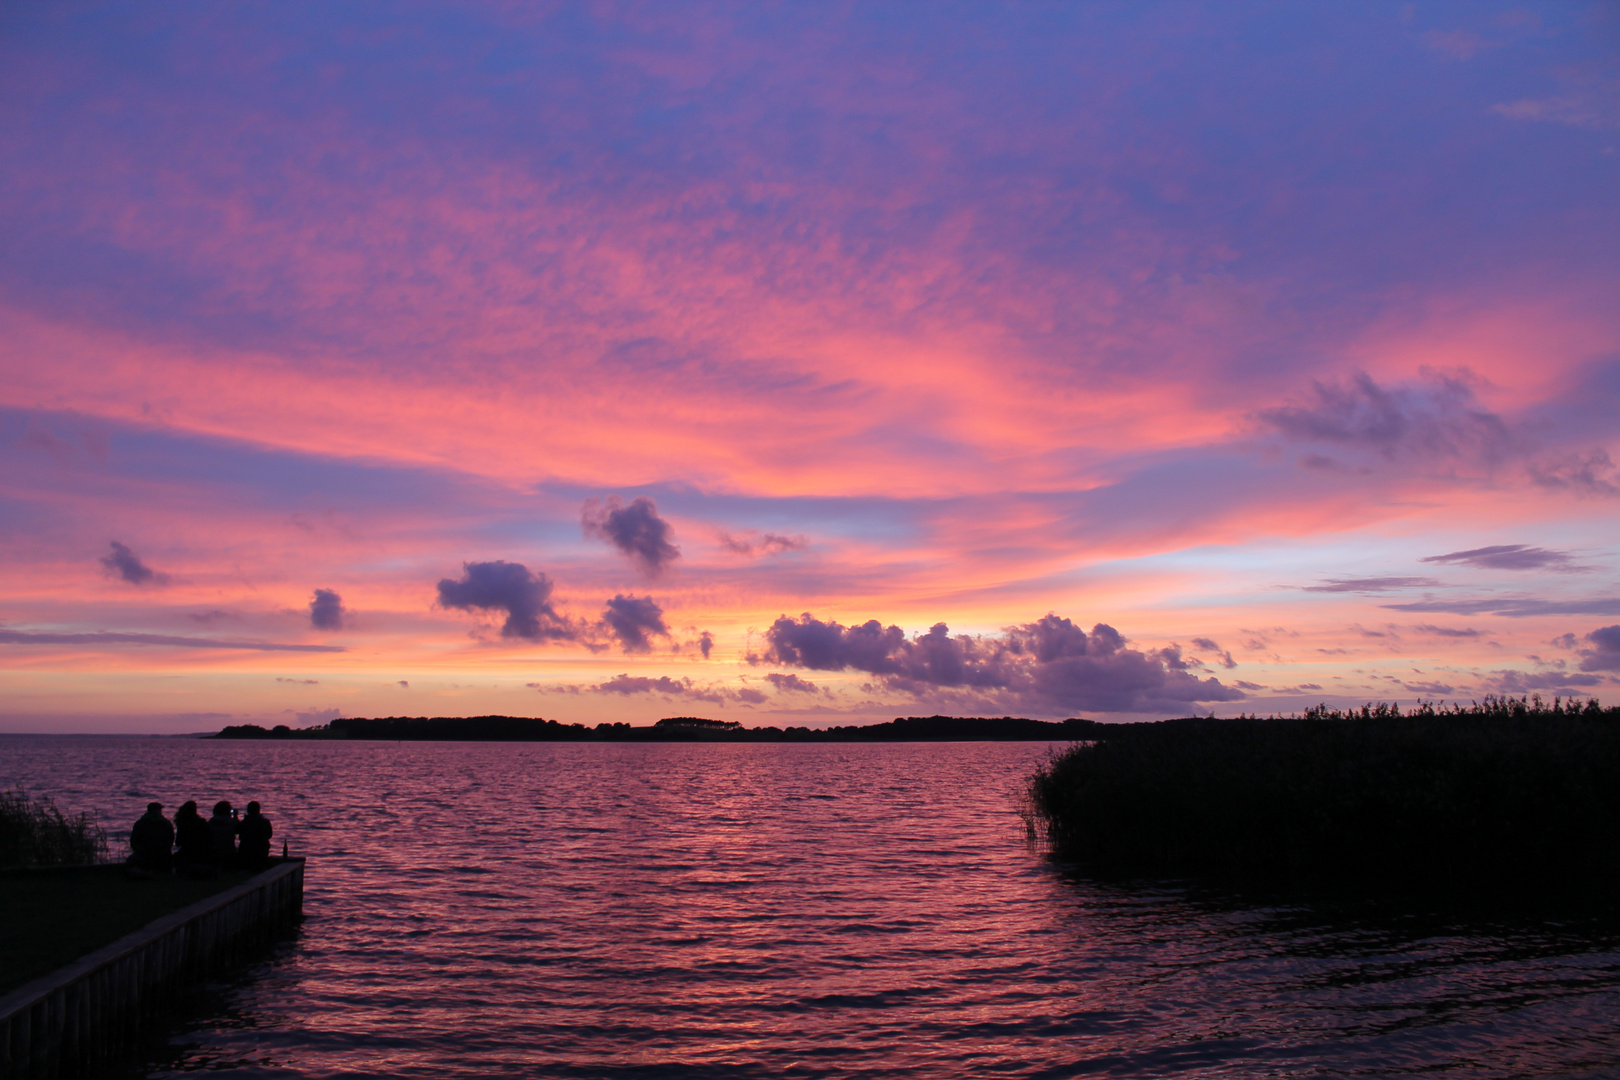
[717, 910]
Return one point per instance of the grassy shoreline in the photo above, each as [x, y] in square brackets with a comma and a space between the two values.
[1508, 793]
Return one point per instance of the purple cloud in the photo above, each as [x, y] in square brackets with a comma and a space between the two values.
[1371, 584]
[1507, 557]
[1432, 420]
[1604, 655]
[124, 563]
[1050, 662]
[1512, 609]
[769, 544]
[508, 587]
[635, 620]
[629, 685]
[636, 530]
[792, 684]
[326, 610]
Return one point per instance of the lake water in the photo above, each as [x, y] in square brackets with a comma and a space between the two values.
[717, 910]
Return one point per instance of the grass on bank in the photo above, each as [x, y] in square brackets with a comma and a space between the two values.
[1510, 793]
[33, 832]
[49, 918]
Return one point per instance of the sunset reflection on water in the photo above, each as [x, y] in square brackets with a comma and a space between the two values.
[758, 910]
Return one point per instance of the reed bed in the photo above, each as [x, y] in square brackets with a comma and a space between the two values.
[34, 832]
[1506, 792]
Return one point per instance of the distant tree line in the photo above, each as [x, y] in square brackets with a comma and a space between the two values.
[675, 729]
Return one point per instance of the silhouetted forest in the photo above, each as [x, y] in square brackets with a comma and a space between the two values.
[676, 729]
[1508, 792]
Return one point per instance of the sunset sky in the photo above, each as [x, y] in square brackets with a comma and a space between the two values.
[804, 363]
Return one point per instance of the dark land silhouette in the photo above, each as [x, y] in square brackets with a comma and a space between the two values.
[1507, 793]
[678, 729]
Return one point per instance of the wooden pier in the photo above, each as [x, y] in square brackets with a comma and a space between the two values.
[94, 1009]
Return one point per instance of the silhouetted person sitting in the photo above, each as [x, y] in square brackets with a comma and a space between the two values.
[192, 836]
[255, 830]
[222, 834]
[150, 841]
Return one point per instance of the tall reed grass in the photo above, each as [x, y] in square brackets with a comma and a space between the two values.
[33, 832]
[1501, 792]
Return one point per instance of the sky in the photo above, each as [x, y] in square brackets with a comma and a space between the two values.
[804, 364]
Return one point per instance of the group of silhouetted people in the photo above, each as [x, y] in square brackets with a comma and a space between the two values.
[194, 847]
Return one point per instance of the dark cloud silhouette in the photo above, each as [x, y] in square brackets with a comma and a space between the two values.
[124, 563]
[634, 620]
[1209, 644]
[508, 587]
[636, 530]
[1508, 557]
[628, 685]
[107, 637]
[705, 644]
[1371, 584]
[769, 544]
[1433, 420]
[326, 610]
[792, 684]
[1604, 655]
[1049, 662]
[1512, 609]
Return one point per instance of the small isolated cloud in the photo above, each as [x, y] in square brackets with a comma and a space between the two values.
[628, 685]
[635, 620]
[299, 682]
[508, 587]
[1604, 655]
[792, 684]
[1443, 631]
[1435, 420]
[705, 644]
[768, 544]
[1050, 663]
[209, 618]
[125, 564]
[1371, 584]
[1508, 557]
[636, 530]
[326, 610]
[403, 684]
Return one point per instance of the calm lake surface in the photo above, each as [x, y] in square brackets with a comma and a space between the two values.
[717, 910]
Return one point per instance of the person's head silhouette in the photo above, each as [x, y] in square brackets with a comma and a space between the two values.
[189, 807]
[253, 807]
[154, 808]
[223, 807]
